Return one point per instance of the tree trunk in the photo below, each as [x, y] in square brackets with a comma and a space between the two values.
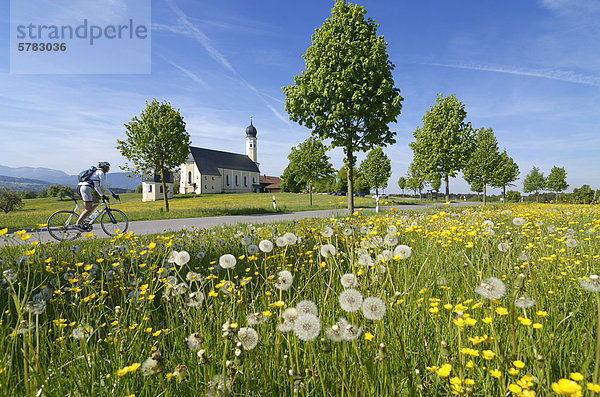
[556, 197]
[310, 194]
[447, 182]
[350, 164]
[484, 193]
[504, 194]
[164, 186]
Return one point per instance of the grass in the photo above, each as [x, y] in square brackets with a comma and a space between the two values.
[158, 315]
[37, 211]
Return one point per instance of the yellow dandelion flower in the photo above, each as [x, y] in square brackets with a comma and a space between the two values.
[566, 387]
[488, 354]
[369, 336]
[516, 389]
[501, 311]
[519, 364]
[576, 376]
[593, 387]
[495, 373]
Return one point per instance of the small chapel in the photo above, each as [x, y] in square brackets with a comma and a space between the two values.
[209, 171]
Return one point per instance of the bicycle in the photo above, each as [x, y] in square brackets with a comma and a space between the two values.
[60, 224]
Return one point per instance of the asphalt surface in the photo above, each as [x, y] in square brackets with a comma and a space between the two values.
[172, 225]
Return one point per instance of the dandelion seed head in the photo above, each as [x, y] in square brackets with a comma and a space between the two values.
[281, 242]
[524, 303]
[403, 250]
[590, 283]
[373, 308]
[284, 280]
[350, 300]
[349, 280]
[518, 221]
[491, 288]
[246, 240]
[307, 307]
[227, 261]
[182, 258]
[290, 238]
[256, 318]
[290, 314]
[328, 250]
[265, 246]
[252, 249]
[194, 341]
[571, 243]
[307, 327]
[248, 337]
[327, 232]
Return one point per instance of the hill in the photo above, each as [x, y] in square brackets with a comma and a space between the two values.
[30, 178]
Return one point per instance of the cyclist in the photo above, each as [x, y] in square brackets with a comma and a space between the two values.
[97, 180]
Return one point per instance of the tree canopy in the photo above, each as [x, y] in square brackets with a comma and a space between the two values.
[506, 173]
[346, 93]
[481, 167]
[309, 163]
[534, 182]
[156, 142]
[10, 200]
[376, 169]
[443, 144]
[557, 180]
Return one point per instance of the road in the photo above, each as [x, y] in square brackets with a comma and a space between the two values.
[167, 225]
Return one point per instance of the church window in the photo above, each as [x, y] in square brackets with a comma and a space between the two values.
[189, 176]
[149, 188]
[237, 181]
[245, 181]
[227, 179]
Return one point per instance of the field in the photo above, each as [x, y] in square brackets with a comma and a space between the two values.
[494, 301]
[36, 211]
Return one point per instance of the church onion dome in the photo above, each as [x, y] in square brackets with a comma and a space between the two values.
[251, 130]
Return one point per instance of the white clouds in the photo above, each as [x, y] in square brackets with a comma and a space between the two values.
[552, 74]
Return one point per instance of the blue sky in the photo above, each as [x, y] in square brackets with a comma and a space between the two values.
[528, 69]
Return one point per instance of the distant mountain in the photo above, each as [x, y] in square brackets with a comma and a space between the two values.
[41, 178]
[23, 183]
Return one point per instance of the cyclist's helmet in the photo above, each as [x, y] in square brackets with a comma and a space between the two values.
[103, 164]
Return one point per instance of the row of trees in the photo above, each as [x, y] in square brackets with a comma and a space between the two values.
[309, 168]
[447, 144]
[555, 182]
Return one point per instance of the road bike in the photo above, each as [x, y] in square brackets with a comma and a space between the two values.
[61, 223]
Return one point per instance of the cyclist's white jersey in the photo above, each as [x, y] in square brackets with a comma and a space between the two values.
[97, 180]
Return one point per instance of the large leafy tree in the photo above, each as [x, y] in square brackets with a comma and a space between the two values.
[376, 169]
[557, 180]
[415, 178]
[507, 171]
[346, 93]
[10, 200]
[309, 163]
[360, 183]
[443, 144]
[289, 182]
[534, 182]
[156, 141]
[481, 167]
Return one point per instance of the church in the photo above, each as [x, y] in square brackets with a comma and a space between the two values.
[209, 171]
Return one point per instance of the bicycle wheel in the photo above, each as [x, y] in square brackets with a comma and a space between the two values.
[60, 225]
[114, 222]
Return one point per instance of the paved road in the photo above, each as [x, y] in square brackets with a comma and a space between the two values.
[165, 225]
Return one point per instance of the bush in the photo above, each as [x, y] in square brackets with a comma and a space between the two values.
[28, 194]
[513, 196]
[10, 200]
[138, 189]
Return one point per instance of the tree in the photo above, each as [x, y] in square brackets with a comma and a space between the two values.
[534, 182]
[557, 180]
[309, 163]
[583, 195]
[376, 169]
[28, 194]
[59, 191]
[481, 167]
[402, 183]
[507, 172]
[360, 182]
[10, 200]
[444, 143]
[156, 140]
[415, 179]
[346, 93]
[477, 187]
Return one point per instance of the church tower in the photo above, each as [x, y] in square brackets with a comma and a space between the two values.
[251, 142]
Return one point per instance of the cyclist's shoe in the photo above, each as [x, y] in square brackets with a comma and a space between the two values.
[80, 228]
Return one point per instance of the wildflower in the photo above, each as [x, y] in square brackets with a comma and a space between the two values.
[491, 288]
[501, 311]
[390, 239]
[349, 280]
[576, 376]
[227, 261]
[566, 387]
[256, 318]
[369, 336]
[328, 250]
[503, 247]
[590, 283]
[194, 341]
[172, 255]
[181, 373]
[265, 246]
[252, 249]
[403, 251]
[518, 221]
[347, 231]
[284, 282]
[248, 337]
[291, 313]
[307, 307]
[373, 308]
[152, 365]
[519, 364]
[365, 260]
[515, 389]
[182, 258]
[281, 242]
[444, 370]
[327, 232]
[551, 228]
[246, 240]
[524, 303]
[336, 331]
[488, 354]
[593, 387]
[350, 300]
[495, 373]
[217, 387]
[131, 368]
[307, 327]
[36, 308]
[82, 332]
[290, 238]
[571, 243]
